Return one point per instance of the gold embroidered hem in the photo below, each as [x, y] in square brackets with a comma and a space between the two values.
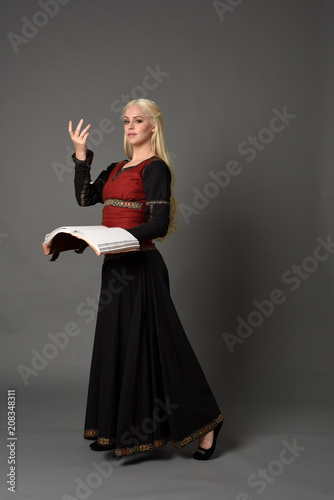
[106, 441]
[119, 452]
[199, 432]
[90, 433]
[158, 202]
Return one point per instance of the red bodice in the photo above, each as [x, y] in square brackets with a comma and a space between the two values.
[124, 198]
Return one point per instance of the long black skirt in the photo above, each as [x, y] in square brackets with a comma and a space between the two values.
[146, 386]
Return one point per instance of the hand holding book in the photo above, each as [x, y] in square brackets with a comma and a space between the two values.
[101, 239]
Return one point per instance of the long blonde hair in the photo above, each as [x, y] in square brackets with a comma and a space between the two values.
[159, 148]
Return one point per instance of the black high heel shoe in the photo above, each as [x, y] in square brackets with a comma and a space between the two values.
[99, 447]
[205, 454]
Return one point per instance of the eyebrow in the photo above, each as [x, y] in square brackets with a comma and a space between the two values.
[138, 116]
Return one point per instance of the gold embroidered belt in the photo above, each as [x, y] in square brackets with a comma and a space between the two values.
[114, 202]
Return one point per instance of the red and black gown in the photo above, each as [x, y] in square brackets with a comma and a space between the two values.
[146, 386]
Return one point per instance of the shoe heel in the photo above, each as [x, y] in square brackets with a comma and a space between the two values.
[205, 454]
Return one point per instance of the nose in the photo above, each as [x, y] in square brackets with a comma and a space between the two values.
[131, 125]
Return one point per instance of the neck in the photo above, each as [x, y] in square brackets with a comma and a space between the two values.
[142, 152]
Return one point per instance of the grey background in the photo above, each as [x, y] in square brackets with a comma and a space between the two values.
[225, 76]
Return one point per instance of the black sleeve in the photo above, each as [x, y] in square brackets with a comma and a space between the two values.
[88, 193]
[156, 183]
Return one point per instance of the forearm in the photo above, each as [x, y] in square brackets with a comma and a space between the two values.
[88, 193]
[157, 223]
[82, 179]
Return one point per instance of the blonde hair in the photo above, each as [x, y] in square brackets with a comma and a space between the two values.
[159, 148]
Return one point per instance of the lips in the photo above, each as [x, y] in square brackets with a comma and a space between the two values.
[131, 135]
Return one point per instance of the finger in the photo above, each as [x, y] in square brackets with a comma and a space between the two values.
[77, 130]
[85, 130]
[70, 127]
[83, 138]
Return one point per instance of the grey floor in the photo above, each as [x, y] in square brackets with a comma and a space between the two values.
[275, 449]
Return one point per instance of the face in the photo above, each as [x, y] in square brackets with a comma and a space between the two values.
[137, 126]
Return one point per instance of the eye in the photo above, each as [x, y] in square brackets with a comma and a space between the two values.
[126, 121]
[139, 121]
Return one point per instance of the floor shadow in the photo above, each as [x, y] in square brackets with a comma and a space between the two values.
[164, 454]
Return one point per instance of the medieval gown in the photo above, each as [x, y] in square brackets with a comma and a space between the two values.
[146, 386]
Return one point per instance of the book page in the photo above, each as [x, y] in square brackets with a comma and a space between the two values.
[99, 234]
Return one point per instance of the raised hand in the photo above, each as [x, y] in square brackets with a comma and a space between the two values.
[79, 139]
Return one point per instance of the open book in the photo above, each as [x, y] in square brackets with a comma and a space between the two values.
[101, 239]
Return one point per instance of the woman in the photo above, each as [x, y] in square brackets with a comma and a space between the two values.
[146, 386]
